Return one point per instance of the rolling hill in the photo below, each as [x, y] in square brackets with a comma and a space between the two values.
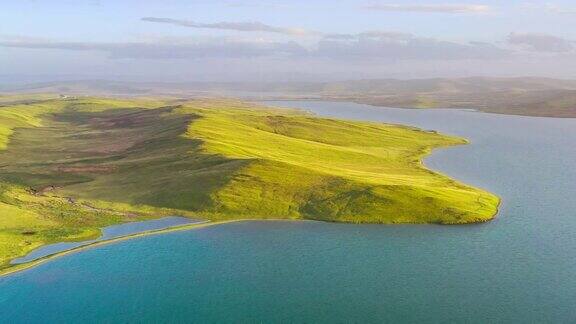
[69, 167]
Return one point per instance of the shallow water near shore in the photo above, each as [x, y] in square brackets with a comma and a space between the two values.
[108, 233]
[518, 268]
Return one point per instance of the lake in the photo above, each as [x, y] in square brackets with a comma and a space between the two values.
[519, 268]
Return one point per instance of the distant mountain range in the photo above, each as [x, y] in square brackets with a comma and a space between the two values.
[520, 96]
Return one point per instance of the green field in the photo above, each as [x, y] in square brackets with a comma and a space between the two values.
[69, 167]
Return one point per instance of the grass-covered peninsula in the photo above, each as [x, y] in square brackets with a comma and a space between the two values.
[69, 167]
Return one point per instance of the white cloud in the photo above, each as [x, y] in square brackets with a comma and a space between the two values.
[433, 8]
[236, 26]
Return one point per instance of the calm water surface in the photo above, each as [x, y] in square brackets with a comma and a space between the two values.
[108, 233]
[520, 268]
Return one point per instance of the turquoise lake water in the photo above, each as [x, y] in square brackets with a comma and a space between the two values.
[108, 233]
[520, 268]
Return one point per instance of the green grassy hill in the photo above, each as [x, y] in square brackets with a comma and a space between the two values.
[69, 167]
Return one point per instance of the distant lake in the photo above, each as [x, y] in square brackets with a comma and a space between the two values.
[519, 268]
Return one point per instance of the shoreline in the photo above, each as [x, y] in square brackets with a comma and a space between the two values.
[200, 225]
[45, 259]
[32, 264]
[477, 110]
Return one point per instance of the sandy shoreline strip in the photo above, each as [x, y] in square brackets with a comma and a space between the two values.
[25, 266]
[37, 262]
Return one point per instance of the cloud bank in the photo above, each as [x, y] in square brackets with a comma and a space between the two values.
[373, 46]
[402, 46]
[380, 50]
[235, 26]
[541, 42]
[432, 8]
[164, 50]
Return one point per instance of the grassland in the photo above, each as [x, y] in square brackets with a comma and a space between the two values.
[70, 167]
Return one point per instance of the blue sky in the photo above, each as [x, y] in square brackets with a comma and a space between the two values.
[237, 40]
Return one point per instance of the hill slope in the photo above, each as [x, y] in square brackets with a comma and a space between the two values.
[69, 167]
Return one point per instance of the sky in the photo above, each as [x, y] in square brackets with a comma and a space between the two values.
[284, 40]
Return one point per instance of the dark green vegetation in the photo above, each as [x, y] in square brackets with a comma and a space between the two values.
[516, 96]
[69, 167]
